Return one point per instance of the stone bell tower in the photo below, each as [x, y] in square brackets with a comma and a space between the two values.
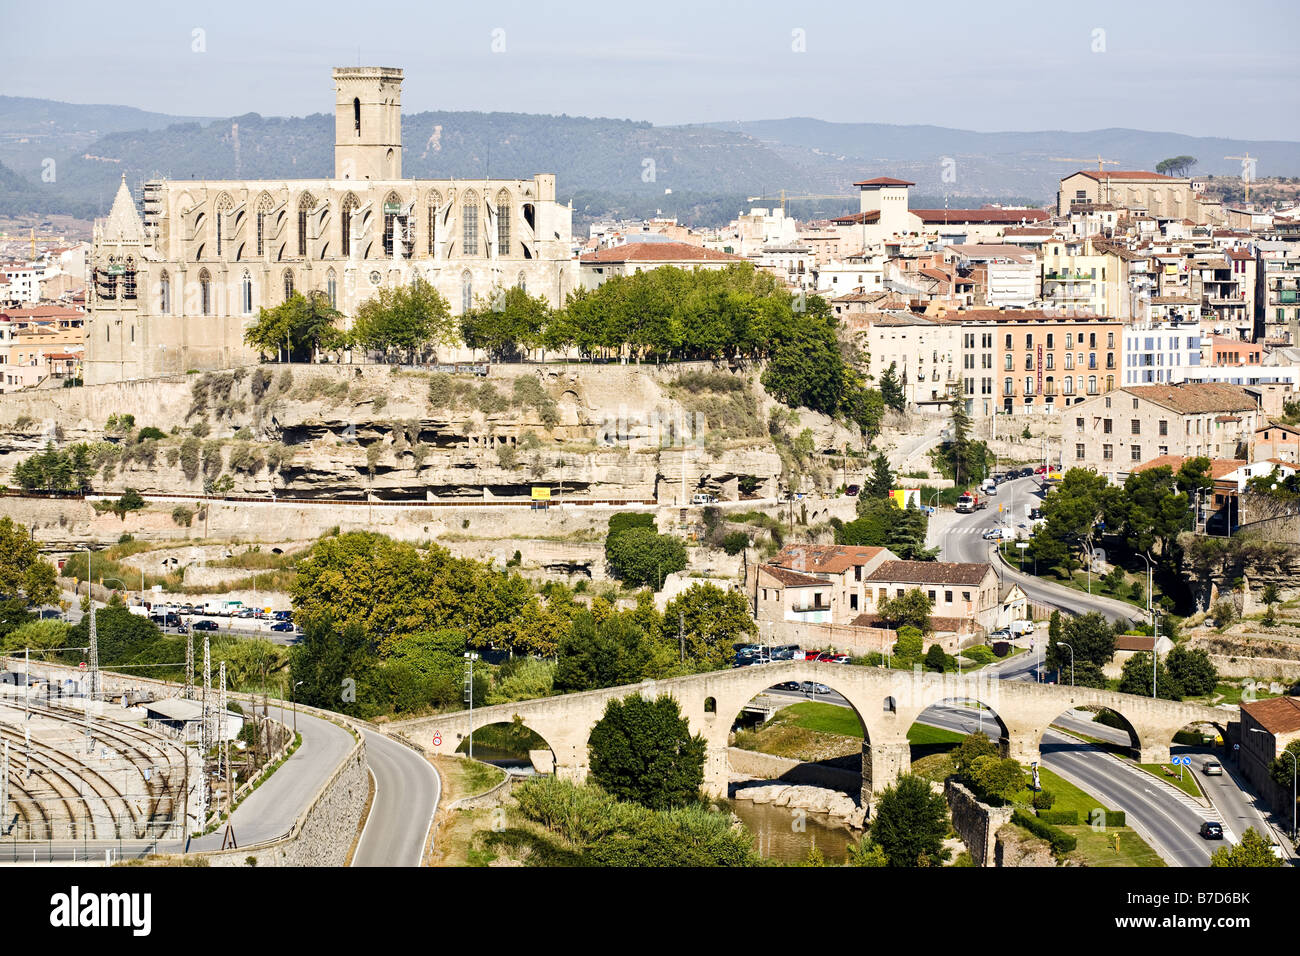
[367, 123]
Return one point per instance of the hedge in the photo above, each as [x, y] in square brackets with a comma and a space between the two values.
[1063, 818]
[1061, 841]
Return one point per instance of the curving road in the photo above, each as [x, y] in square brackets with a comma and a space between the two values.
[407, 790]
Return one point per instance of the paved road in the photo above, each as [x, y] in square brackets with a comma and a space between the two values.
[960, 537]
[407, 790]
[270, 810]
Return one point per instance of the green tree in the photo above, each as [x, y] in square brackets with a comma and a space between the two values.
[1192, 670]
[506, 323]
[643, 751]
[1135, 678]
[26, 579]
[936, 659]
[1254, 850]
[640, 557]
[1092, 638]
[1175, 165]
[881, 482]
[712, 620]
[911, 823]
[996, 778]
[35, 634]
[881, 524]
[908, 646]
[301, 325]
[912, 608]
[865, 853]
[971, 748]
[405, 318]
[336, 668]
[1282, 768]
[891, 390]
[615, 653]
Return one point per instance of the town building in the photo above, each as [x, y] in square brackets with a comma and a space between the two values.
[633, 257]
[1163, 197]
[956, 589]
[1112, 434]
[924, 352]
[814, 584]
[1268, 727]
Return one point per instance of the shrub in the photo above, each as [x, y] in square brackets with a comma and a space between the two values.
[1060, 818]
[150, 432]
[189, 458]
[1224, 613]
[1043, 800]
[1061, 841]
[979, 654]
[183, 516]
[936, 659]
[735, 542]
[908, 646]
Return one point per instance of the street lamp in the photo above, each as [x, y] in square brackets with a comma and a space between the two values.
[1063, 644]
[293, 696]
[1291, 754]
[1148, 561]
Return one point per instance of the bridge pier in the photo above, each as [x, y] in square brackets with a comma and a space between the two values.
[883, 763]
[716, 772]
[1154, 753]
[1022, 746]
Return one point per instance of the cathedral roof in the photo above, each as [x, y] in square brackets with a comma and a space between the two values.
[123, 223]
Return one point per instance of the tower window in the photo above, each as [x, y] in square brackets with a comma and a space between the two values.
[356, 114]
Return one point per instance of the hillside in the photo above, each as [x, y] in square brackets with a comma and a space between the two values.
[702, 173]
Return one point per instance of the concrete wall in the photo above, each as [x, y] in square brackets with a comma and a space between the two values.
[976, 823]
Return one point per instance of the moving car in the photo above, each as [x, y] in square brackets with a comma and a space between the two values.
[205, 626]
[1212, 768]
[1211, 830]
[786, 685]
[995, 534]
[812, 687]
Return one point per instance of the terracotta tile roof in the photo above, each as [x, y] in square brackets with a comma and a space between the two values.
[1196, 399]
[1218, 466]
[1028, 231]
[1025, 315]
[1131, 174]
[825, 558]
[793, 579]
[884, 181]
[659, 252]
[1134, 642]
[930, 572]
[858, 218]
[1274, 423]
[1277, 715]
[978, 216]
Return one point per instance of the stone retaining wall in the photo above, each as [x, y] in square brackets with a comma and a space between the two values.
[760, 766]
[976, 823]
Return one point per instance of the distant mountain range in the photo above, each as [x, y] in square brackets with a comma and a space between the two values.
[701, 173]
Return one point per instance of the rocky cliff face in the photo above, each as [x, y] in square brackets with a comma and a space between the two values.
[392, 434]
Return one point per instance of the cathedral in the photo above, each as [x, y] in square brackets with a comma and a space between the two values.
[174, 289]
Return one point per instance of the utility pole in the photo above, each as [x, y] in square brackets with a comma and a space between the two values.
[4, 786]
[681, 633]
[94, 639]
[189, 666]
[225, 746]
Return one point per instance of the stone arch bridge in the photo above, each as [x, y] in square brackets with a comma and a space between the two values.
[887, 702]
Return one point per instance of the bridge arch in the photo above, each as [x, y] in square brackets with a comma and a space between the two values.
[509, 743]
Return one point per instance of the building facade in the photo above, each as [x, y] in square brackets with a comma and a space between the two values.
[177, 288]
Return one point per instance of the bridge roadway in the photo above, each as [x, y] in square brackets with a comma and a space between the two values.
[887, 703]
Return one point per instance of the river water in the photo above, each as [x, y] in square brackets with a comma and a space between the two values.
[777, 833]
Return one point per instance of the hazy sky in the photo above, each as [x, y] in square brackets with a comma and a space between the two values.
[1204, 68]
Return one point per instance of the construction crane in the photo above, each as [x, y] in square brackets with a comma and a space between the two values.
[1247, 167]
[783, 198]
[1099, 161]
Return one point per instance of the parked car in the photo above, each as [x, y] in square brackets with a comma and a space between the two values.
[205, 626]
[852, 491]
[841, 659]
[283, 626]
[1212, 768]
[1040, 470]
[282, 615]
[825, 657]
[812, 687]
[1211, 830]
[1001, 634]
[246, 613]
[703, 499]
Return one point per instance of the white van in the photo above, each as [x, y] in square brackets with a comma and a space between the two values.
[703, 499]
[1019, 628]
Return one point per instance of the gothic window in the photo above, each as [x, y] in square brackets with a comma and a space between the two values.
[205, 293]
[128, 279]
[264, 205]
[522, 283]
[288, 285]
[356, 114]
[305, 205]
[469, 225]
[165, 294]
[220, 212]
[332, 289]
[246, 293]
[349, 205]
[392, 208]
[434, 202]
[466, 291]
[503, 223]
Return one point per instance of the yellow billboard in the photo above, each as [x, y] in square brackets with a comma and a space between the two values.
[541, 494]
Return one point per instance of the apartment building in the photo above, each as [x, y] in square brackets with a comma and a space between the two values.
[925, 352]
[1111, 434]
[1277, 292]
[1005, 275]
[1159, 353]
[1045, 361]
[979, 355]
[1275, 439]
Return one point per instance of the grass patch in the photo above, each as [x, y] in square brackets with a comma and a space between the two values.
[923, 735]
[1068, 796]
[823, 718]
[1116, 846]
[1232, 693]
[1187, 784]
